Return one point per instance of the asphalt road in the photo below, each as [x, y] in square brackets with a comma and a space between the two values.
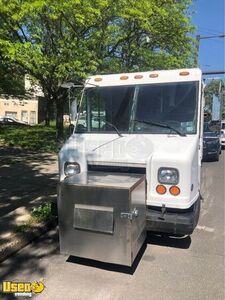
[170, 268]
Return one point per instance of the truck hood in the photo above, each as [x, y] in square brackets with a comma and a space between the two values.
[128, 150]
[140, 151]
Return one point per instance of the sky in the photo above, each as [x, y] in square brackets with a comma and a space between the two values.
[209, 19]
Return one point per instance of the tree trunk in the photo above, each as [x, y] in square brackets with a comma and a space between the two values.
[59, 118]
[48, 112]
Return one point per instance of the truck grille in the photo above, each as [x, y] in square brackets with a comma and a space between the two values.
[117, 169]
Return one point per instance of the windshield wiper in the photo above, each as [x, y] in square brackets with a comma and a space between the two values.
[112, 125]
[116, 129]
[162, 125]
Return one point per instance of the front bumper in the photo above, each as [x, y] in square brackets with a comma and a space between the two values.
[210, 153]
[173, 221]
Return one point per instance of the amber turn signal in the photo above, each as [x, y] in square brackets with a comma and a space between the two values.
[174, 190]
[161, 189]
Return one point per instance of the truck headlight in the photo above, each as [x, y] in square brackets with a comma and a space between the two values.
[168, 176]
[71, 168]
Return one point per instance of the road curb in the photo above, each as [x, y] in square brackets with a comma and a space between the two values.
[23, 239]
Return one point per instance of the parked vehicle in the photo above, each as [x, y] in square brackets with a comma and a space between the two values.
[222, 134]
[12, 121]
[211, 143]
[151, 125]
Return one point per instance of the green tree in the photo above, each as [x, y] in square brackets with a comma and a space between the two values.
[11, 79]
[56, 40]
[147, 35]
[214, 87]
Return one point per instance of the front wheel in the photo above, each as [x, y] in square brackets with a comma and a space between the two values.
[217, 157]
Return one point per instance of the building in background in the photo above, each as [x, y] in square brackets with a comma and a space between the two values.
[32, 88]
[25, 110]
[29, 108]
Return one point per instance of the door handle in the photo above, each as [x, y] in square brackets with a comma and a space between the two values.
[130, 215]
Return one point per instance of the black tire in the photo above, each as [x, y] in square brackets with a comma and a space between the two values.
[217, 157]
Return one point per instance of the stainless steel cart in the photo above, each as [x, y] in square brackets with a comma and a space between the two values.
[102, 216]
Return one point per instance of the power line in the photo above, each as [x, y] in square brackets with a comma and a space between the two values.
[205, 32]
[211, 31]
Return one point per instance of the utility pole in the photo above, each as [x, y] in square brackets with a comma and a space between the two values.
[199, 37]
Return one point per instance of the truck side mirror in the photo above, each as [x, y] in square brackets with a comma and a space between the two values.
[73, 111]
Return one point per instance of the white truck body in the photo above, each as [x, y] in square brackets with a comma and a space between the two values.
[145, 150]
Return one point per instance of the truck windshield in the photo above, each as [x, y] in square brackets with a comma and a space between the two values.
[137, 109]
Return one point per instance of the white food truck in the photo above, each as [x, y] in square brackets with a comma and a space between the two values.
[129, 127]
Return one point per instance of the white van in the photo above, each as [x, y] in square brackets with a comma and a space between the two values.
[146, 123]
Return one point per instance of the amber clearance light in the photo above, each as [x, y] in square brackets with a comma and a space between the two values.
[138, 76]
[161, 189]
[124, 77]
[174, 190]
[154, 75]
[184, 73]
[98, 79]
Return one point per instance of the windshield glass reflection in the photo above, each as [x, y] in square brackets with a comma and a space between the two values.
[140, 109]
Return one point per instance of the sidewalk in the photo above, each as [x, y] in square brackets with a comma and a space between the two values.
[27, 179]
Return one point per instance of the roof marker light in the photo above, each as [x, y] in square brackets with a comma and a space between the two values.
[138, 76]
[184, 73]
[98, 79]
[154, 75]
[124, 77]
